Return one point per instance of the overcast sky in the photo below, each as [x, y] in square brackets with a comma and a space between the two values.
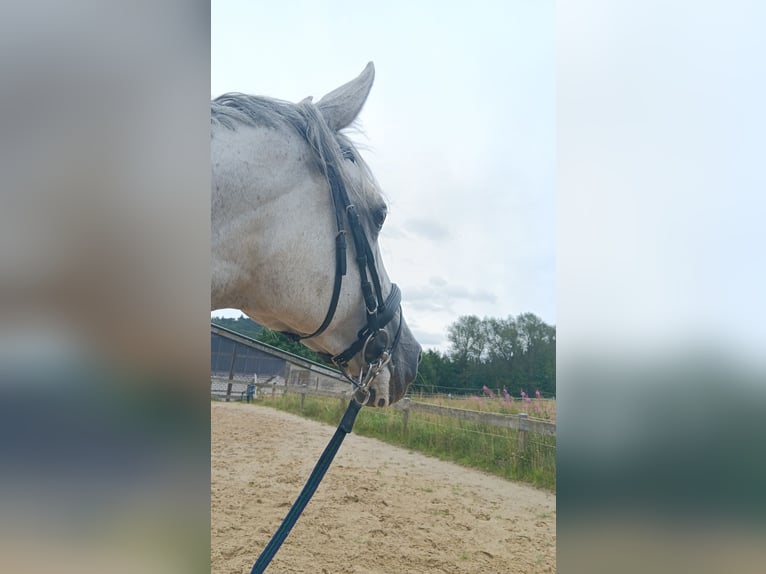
[459, 130]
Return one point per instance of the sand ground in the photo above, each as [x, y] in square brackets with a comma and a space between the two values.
[380, 509]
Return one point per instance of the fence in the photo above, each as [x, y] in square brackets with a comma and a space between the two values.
[223, 388]
[514, 446]
[521, 422]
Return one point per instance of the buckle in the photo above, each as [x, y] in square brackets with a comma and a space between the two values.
[361, 395]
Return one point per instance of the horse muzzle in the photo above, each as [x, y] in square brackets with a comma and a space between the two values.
[393, 381]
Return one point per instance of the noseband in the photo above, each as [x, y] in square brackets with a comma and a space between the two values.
[379, 311]
[372, 341]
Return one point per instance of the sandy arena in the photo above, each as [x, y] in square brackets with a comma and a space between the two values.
[380, 509]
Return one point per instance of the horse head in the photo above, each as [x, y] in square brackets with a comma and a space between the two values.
[295, 207]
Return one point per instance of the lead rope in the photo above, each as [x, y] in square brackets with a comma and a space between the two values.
[360, 397]
[345, 426]
[379, 313]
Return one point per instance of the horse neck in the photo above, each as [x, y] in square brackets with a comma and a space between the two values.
[270, 206]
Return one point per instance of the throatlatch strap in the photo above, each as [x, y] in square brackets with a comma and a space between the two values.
[344, 427]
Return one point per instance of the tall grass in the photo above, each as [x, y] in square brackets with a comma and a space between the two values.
[544, 409]
[475, 445]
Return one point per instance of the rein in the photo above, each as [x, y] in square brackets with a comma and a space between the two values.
[346, 423]
[380, 312]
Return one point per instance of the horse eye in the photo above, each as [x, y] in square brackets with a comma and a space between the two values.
[348, 154]
[379, 217]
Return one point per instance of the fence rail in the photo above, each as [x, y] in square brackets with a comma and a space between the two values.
[520, 422]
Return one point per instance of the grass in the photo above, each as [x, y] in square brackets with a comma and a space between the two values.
[474, 445]
[544, 409]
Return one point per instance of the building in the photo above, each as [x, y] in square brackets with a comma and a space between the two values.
[237, 360]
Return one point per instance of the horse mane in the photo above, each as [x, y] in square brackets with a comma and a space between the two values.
[232, 110]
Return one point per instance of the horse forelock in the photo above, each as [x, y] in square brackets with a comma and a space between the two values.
[330, 147]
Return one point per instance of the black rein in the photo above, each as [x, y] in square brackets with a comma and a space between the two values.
[380, 312]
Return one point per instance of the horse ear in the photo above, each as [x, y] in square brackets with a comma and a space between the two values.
[341, 106]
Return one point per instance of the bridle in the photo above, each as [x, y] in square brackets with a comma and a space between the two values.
[379, 311]
[373, 336]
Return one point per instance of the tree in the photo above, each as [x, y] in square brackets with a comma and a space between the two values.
[468, 338]
[517, 353]
[502, 340]
[428, 379]
[242, 325]
[538, 360]
[280, 341]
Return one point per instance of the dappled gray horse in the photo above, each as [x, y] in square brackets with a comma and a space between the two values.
[287, 190]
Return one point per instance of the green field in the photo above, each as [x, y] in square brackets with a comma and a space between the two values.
[475, 445]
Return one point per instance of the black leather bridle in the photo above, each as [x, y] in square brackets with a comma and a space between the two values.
[372, 341]
[379, 311]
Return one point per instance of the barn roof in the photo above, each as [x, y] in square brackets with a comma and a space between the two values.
[289, 357]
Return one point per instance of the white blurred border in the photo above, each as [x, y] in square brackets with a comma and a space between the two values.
[104, 286]
[660, 283]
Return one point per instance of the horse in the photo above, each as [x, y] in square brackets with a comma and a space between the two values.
[287, 188]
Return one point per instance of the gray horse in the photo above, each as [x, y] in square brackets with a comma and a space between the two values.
[274, 225]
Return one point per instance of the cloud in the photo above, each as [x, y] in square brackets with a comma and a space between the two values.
[427, 228]
[392, 231]
[428, 339]
[439, 296]
[437, 281]
[471, 295]
[428, 305]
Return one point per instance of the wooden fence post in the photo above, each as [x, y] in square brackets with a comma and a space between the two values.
[273, 390]
[523, 431]
[303, 397]
[231, 373]
[405, 412]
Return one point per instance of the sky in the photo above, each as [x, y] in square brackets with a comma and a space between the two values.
[459, 130]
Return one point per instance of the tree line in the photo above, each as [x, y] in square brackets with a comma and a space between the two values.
[515, 353]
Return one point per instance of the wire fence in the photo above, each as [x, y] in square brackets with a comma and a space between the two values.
[512, 446]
